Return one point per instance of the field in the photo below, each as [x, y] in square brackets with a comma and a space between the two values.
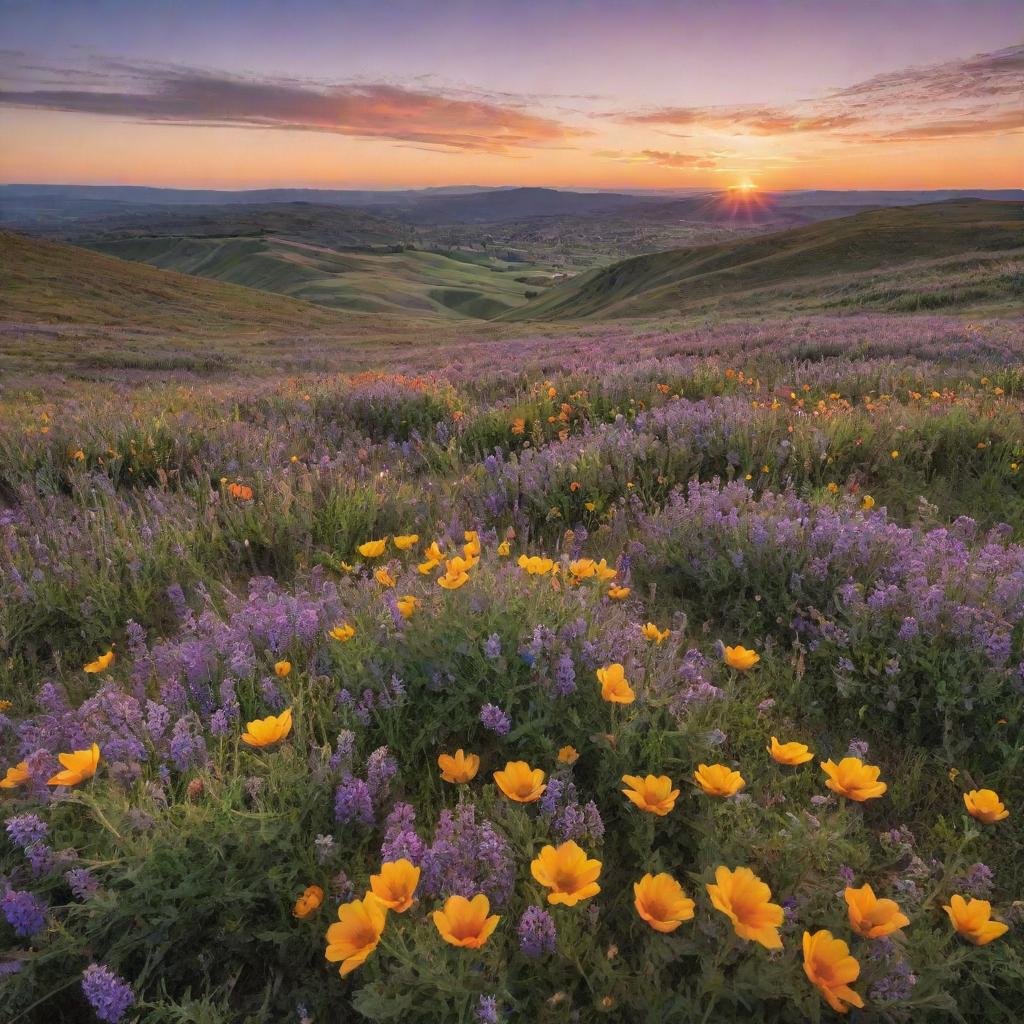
[230, 517]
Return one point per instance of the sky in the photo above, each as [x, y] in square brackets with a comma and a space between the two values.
[779, 94]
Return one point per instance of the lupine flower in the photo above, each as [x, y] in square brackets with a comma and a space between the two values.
[78, 766]
[407, 604]
[16, 775]
[973, 920]
[25, 830]
[829, 966]
[521, 783]
[718, 780]
[740, 658]
[81, 882]
[853, 779]
[537, 934]
[493, 718]
[343, 632]
[615, 687]
[653, 794]
[25, 912]
[567, 872]
[985, 805]
[309, 902]
[746, 901]
[651, 632]
[356, 933]
[661, 902]
[404, 541]
[109, 995]
[282, 668]
[396, 884]
[101, 664]
[466, 923]
[373, 548]
[568, 755]
[264, 732]
[790, 753]
[458, 767]
[871, 917]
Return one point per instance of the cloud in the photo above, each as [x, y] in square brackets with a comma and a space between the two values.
[187, 96]
[679, 160]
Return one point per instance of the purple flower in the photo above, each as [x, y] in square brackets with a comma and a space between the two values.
[858, 748]
[400, 836]
[353, 801]
[25, 912]
[537, 934]
[26, 830]
[381, 768]
[81, 882]
[108, 993]
[493, 718]
[487, 1010]
[467, 857]
[492, 648]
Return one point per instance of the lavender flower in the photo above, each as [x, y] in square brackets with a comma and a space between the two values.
[353, 801]
[487, 1010]
[25, 912]
[26, 830]
[109, 994]
[536, 931]
[493, 718]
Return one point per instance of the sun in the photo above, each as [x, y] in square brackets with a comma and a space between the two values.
[745, 187]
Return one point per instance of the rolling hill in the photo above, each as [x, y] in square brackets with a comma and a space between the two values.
[956, 253]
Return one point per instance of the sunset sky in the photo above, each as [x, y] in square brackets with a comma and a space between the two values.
[249, 93]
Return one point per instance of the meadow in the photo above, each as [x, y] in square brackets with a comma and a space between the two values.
[625, 673]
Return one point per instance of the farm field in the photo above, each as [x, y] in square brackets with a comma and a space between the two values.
[296, 608]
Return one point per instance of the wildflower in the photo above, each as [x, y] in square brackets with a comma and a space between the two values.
[605, 572]
[407, 604]
[78, 766]
[718, 780]
[465, 922]
[25, 912]
[833, 487]
[383, 577]
[615, 687]
[487, 1010]
[109, 995]
[504, 549]
[746, 901]
[521, 783]
[536, 932]
[583, 568]
[434, 553]
[264, 732]
[661, 902]
[651, 632]
[871, 917]
[829, 966]
[740, 658]
[618, 593]
[535, 565]
[395, 884]
[16, 775]
[282, 668]
[973, 920]
[343, 632]
[405, 541]
[458, 767]
[985, 805]
[867, 502]
[894, 454]
[493, 718]
[853, 779]
[101, 664]
[373, 548]
[240, 491]
[309, 902]
[455, 575]
[789, 753]
[653, 794]
[519, 425]
[568, 755]
[356, 933]
[567, 872]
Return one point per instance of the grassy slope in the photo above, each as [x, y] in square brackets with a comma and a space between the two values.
[401, 282]
[825, 265]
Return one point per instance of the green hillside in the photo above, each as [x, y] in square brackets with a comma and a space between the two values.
[952, 254]
[408, 281]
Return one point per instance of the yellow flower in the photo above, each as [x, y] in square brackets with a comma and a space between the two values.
[615, 687]
[590, 506]
[833, 487]
[465, 922]
[651, 632]
[455, 575]
[568, 755]
[535, 565]
[282, 668]
[519, 425]
[395, 884]
[383, 577]
[618, 593]
[871, 917]
[404, 541]
[661, 902]
[6, 705]
[434, 552]
[605, 572]
[853, 779]
[101, 664]
[519, 782]
[653, 794]
[829, 966]
[985, 805]
[78, 455]
[789, 753]
[427, 567]
[78, 766]
[567, 872]
[343, 632]
[407, 605]
[867, 502]
[746, 901]
[894, 454]
[16, 775]
[504, 549]
[458, 767]
[973, 920]
[309, 902]
[264, 732]
[740, 658]
[373, 548]
[718, 780]
[583, 568]
[356, 933]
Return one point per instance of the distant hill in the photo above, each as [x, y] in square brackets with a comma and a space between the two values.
[501, 205]
[53, 283]
[961, 252]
